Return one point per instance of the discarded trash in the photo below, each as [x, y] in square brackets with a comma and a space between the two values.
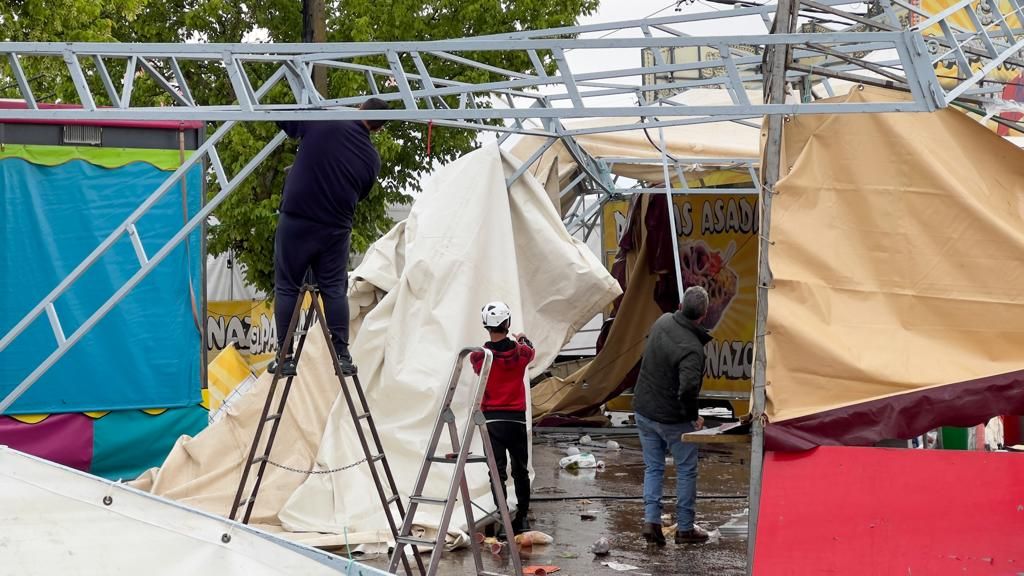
[533, 538]
[492, 543]
[586, 517]
[620, 567]
[572, 450]
[540, 570]
[736, 526]
[601, 547]
[586, 439]
[568, 555]
[613, 445]
[577, 461]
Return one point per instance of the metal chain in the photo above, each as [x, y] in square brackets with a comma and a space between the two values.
[315, 472]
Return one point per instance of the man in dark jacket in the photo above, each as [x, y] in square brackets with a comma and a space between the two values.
[665, 405]
[335, 168]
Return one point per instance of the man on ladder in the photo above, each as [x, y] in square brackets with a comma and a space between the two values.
[335, 168]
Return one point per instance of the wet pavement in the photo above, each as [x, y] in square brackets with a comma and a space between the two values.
[613, 497]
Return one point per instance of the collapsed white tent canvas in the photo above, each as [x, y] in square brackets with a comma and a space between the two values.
[56, 520]
[416, 299]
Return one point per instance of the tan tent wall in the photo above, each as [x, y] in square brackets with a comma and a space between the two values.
[898, 256]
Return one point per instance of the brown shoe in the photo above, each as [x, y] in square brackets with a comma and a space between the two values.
[653, 534]
[695, 535]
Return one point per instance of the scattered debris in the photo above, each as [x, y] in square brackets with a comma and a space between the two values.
[568, 555]
[736, 526]
[601, 547]
[580, 461]
[533, 538]
[620, 567]
[587, 517]
[572, 450]
[540, 570]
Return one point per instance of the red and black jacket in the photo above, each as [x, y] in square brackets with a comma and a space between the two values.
[505, 395]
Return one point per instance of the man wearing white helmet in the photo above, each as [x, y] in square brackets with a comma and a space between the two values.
[504, 404]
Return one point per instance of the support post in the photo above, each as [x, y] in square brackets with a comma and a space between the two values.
[775, 63]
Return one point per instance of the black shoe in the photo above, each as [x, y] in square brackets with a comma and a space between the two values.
[520, 524]
[288, 367]
[347, 367]
[653, 534]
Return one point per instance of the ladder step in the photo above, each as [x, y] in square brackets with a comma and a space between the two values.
[246, 501]
[427, 500]
[410, 541]
[273, 417]
[377, 458]
[258, 459]
[453, 458]
[394, 499]
[363, 416]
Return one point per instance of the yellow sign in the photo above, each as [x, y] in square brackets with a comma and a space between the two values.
[247, 323]
[717, 250]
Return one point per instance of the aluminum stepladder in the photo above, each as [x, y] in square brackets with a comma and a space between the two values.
[458, 486]
[373, 450]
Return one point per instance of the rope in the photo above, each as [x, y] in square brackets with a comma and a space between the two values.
[430, 136]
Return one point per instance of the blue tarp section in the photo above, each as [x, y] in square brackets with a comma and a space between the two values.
[146, 352]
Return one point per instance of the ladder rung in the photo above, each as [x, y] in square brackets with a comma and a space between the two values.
[273, 417]
[410, 541]
[258, 459]
[428, 500]
[394, 499]
[363, 416]
[246, 501]
[454, 459]
[377, 458]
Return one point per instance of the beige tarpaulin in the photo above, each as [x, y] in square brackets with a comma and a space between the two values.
[577, 394]
[204, 471]
[468, 241]
[898, 256]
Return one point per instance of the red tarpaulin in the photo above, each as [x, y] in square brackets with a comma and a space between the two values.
[900, 512]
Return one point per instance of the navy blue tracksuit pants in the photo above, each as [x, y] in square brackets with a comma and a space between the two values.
[302, 244]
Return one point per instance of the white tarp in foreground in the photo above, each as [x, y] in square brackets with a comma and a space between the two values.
[59, 521]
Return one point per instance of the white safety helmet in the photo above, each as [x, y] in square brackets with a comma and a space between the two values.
[494, 314]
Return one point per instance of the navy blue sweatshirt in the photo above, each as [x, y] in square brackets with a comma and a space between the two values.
[335, 168]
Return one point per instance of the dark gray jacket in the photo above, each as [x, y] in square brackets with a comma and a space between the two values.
[672, 370]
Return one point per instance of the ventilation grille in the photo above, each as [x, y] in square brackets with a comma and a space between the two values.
[91, 135]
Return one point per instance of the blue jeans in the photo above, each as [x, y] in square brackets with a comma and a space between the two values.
[655, 439]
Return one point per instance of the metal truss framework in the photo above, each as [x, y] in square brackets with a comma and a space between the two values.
[894, 44]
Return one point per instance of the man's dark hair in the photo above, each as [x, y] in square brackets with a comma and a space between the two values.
[374, 104]
[500, 329]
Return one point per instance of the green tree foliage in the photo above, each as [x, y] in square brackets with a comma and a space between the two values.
[247, 218]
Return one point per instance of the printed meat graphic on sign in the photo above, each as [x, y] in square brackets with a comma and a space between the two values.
[702, 266]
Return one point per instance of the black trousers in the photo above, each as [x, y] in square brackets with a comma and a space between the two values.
[302, 245]
[509, 441]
